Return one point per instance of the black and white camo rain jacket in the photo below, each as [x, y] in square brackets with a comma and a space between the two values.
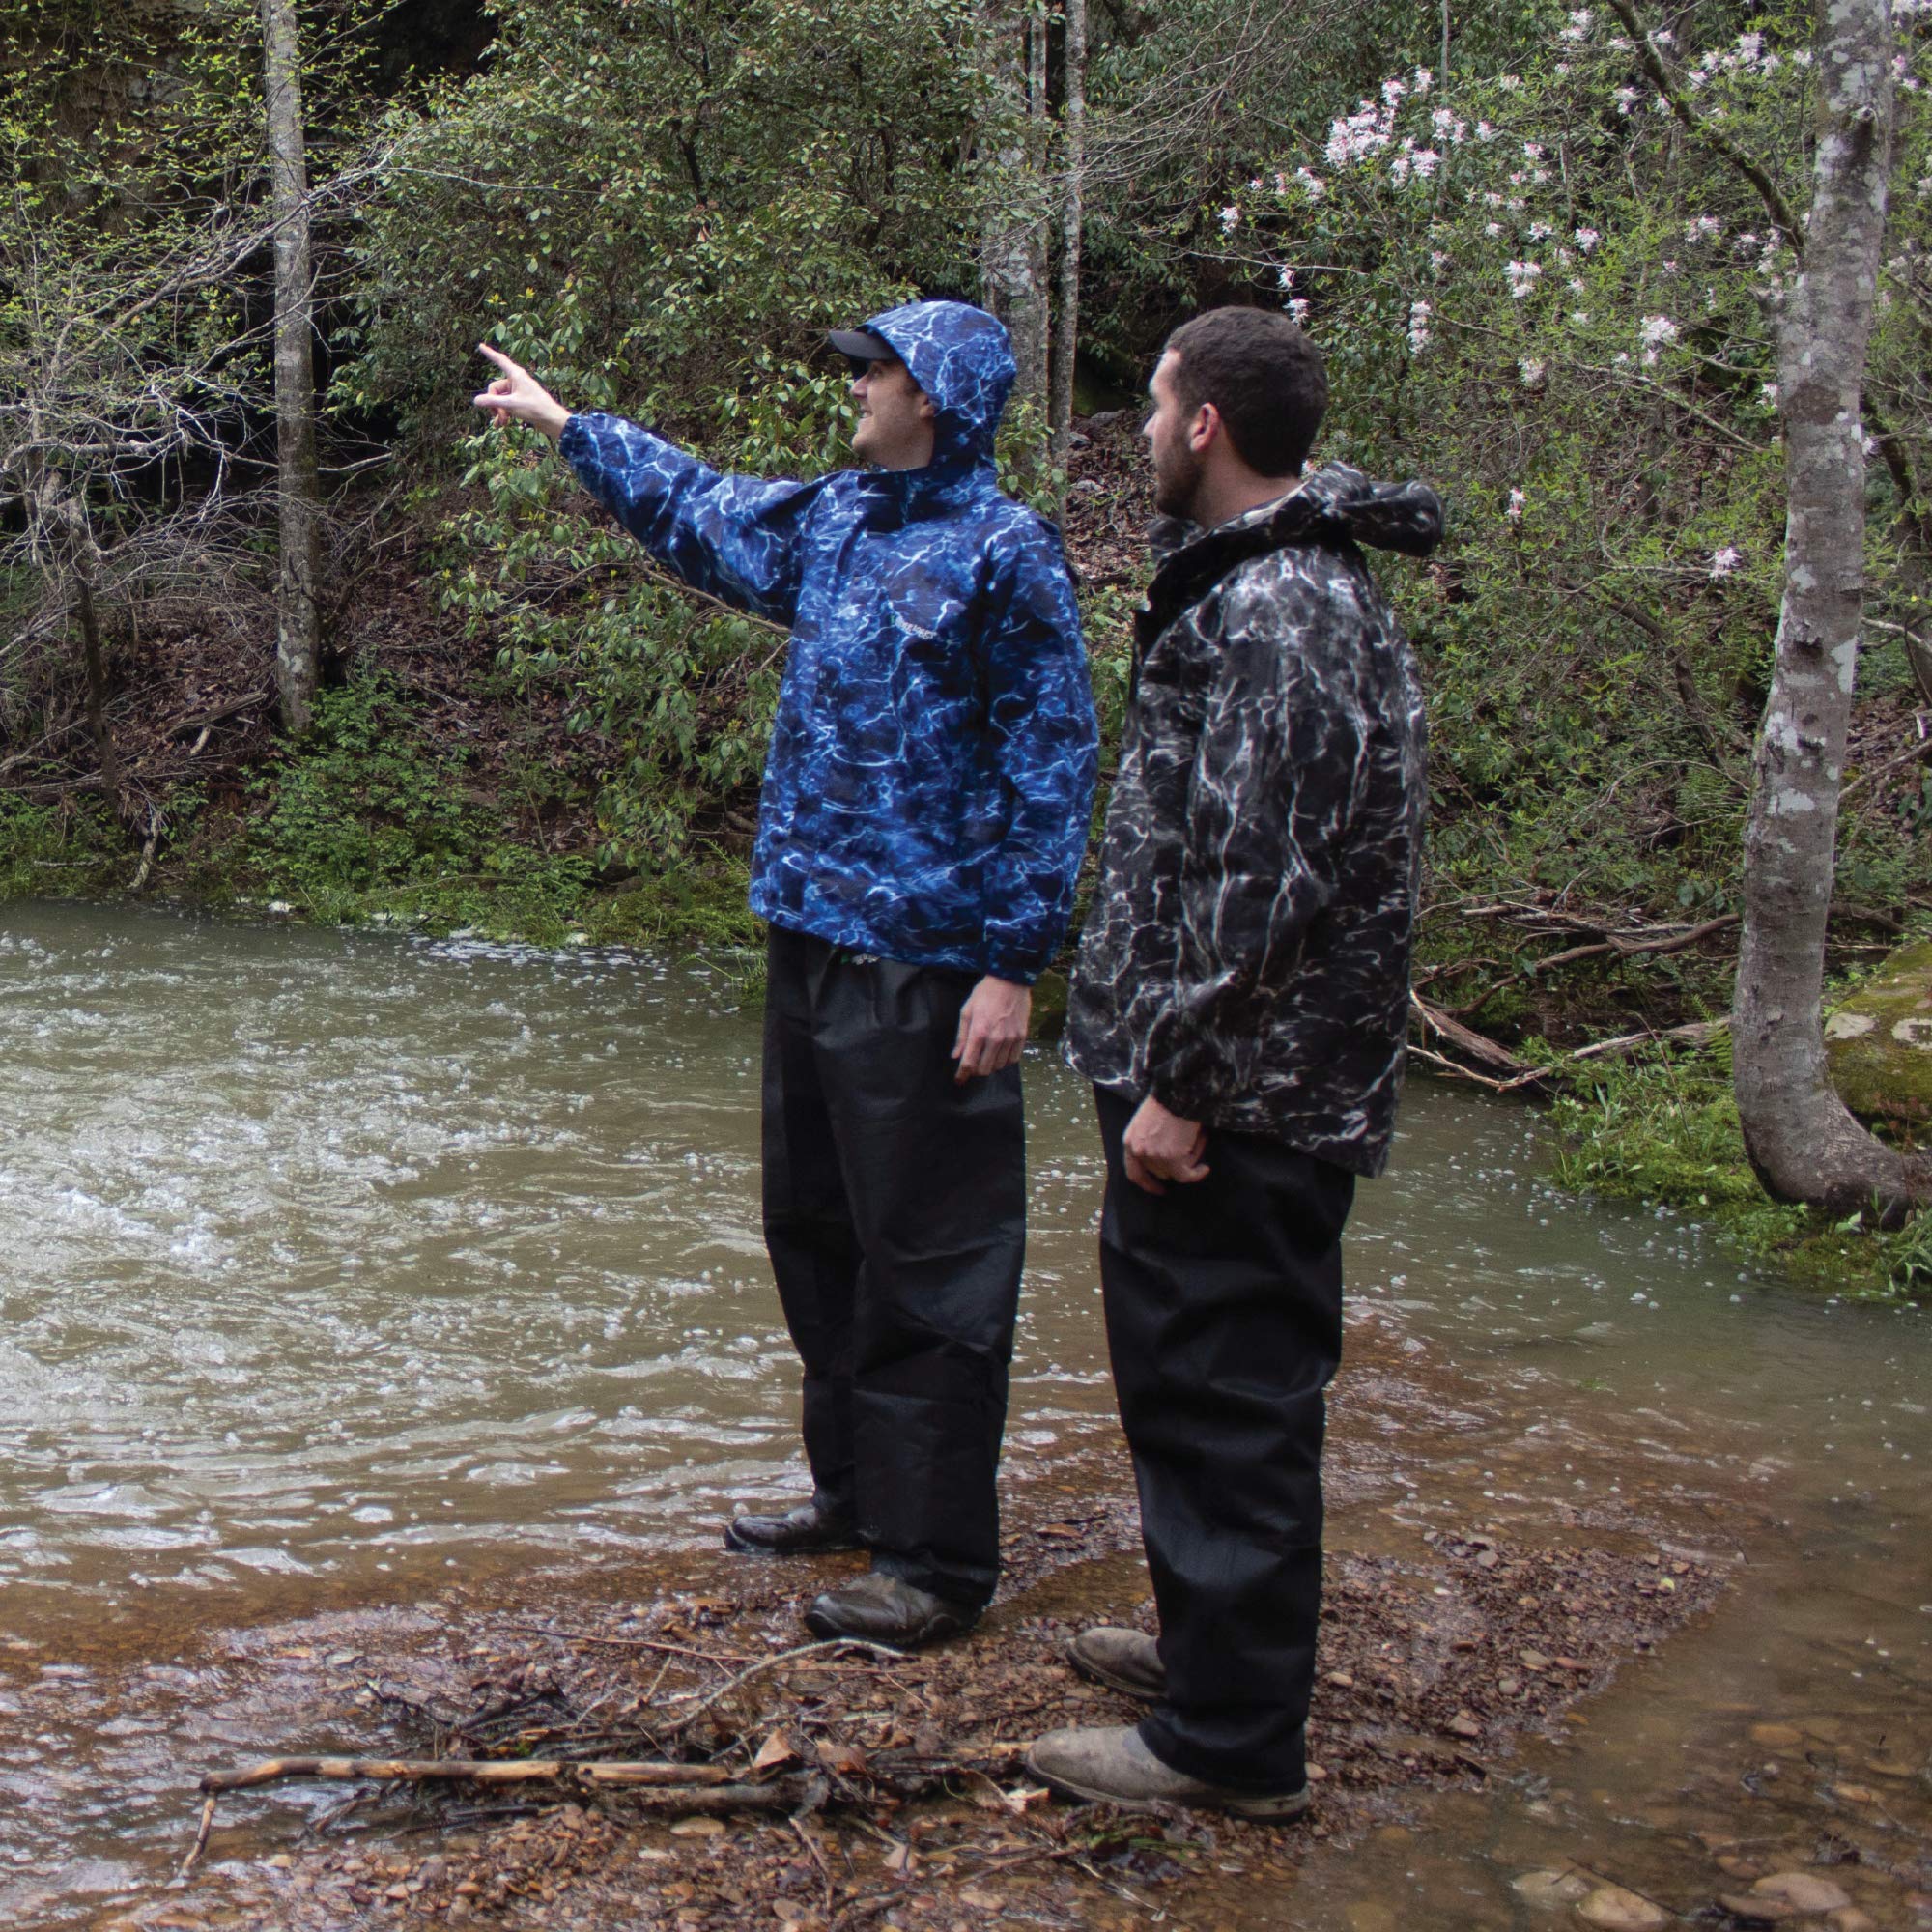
[1246, 960]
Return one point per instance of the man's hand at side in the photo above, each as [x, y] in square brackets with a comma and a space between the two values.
[517, 396]
[992, 1027]
[1160, 1147]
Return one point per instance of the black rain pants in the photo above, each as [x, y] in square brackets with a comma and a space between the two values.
[895, 1208]
[1224, 1321]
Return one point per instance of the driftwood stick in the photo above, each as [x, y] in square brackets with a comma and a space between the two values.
[478, 1771]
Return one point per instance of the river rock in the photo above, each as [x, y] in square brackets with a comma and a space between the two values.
[1752, 1910]
[1371, 1918]
[1851, 1919]
[1806, 1890]
[1879, 1043]
[1779, 1737]
[1551, 1887]
[1613, 1909]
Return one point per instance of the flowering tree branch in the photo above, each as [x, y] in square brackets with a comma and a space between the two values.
[1679, 104]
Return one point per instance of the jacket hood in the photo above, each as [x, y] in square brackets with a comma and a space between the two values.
[1332, 504]
[1406, 517]
[963, 358]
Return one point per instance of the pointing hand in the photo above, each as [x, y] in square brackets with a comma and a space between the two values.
[517, 396]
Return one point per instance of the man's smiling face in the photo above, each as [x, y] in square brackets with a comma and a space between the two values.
[896, 416]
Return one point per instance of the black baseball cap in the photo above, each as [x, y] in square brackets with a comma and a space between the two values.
[862, 345]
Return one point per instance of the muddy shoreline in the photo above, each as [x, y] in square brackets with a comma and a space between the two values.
[1454, 1637]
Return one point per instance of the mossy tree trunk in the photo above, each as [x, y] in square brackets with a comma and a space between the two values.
[1803, 1142]
[299, 623]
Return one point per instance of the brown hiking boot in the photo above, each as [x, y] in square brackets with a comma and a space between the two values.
[883, 1608]
[1123, 1659]
[1114, 1766]
[810, 1530]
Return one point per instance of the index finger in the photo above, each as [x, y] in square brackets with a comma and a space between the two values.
[501, 361]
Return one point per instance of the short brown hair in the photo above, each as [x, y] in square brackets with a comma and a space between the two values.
[1262, 374]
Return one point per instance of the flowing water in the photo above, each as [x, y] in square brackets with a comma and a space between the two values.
[339, 1266]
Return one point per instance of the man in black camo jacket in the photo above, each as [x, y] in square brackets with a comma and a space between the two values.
[1240, 1004]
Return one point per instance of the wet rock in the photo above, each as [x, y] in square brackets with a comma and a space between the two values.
[1613, 1909]
[1748, 1908]
[1551, 1887]
[1851, 1919]
[1806, 1890]
[1879, 1043]
[1779, 1737]
[1888, 1767]
[1855, 1794]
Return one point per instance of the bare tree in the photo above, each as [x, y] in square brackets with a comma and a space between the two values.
[1012, 244]
[298, 630]
[1072, 212]
[1802, 1139]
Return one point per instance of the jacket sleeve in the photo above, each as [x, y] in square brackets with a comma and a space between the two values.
[1270, 801]
[1045, 747]
[735, 538]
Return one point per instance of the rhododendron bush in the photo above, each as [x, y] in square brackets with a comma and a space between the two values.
[1549, 295]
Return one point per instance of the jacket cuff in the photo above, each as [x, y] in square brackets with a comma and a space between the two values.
[1006, 956]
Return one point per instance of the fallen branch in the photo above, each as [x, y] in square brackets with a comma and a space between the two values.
[1693, 1033]
[207, 720]
[686, 1788]
[477, 1770]
[1476, 1045]
[1623, 949]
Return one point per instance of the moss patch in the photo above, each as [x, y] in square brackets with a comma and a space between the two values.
[1879, 1042]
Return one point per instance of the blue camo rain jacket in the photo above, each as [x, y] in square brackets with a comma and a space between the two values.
[930, 775]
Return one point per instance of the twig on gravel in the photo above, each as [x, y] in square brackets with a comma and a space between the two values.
[636, 1643]
[797, 1822]
[744, 1677]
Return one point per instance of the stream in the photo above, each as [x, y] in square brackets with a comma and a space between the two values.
[339, 1269]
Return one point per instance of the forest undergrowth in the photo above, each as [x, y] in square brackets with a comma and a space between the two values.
[446, 790]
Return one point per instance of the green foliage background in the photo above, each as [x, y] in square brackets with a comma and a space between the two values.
[1534, 285]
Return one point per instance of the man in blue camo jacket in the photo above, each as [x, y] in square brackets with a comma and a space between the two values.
[926, 803]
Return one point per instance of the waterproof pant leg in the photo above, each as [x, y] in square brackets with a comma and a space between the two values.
[896, 1218]
[808, 1232]
[1224, 1321]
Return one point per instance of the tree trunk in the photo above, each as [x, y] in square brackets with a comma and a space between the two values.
[1011, 247]
[1802, 1139]
[93, 657]
[63, 543]
[298, 625]
[1072, 208]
